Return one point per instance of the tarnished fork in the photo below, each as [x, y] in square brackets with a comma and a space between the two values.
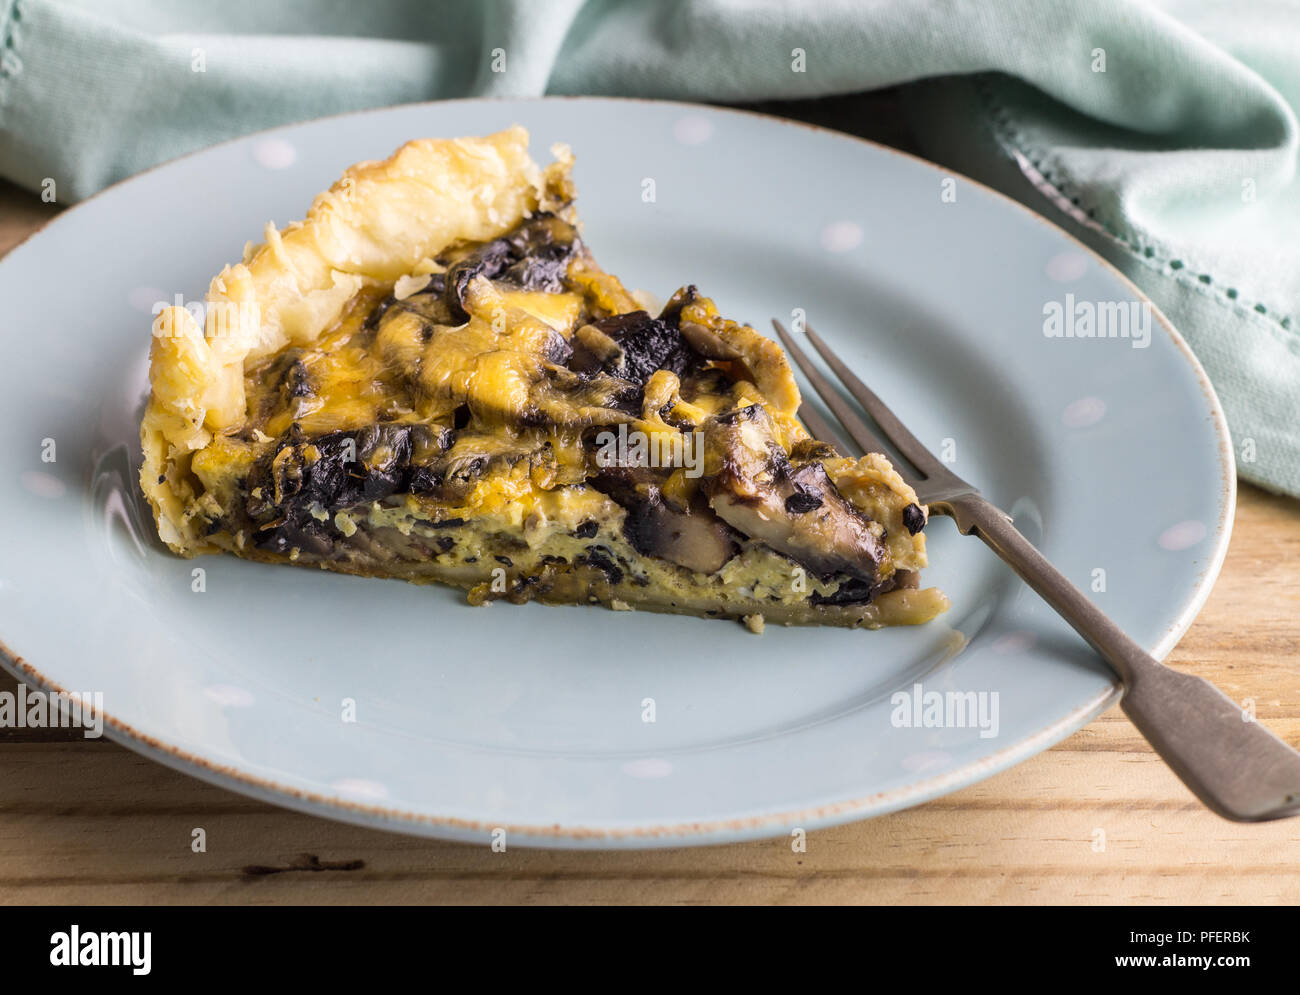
[1231, 762]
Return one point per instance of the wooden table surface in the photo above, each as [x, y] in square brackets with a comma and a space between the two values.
[89, 822]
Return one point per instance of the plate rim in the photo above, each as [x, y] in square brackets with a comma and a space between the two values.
[713, 831]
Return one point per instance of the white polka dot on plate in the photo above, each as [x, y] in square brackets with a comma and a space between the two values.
[1084, 412]
[1014, 642]
[1066, 267]
[359, 787]
[841, 236]
[229, 695]
[693, 130]
[275, 153]
[43, 484]
[144, 298]
[918, 762]
[1184, 535]
[649, 768]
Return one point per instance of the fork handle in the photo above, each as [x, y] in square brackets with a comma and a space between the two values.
[1231, 762]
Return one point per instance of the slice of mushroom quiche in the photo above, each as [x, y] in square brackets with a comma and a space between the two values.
[430, 378]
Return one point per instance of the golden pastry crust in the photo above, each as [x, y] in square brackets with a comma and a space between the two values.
[381, 221]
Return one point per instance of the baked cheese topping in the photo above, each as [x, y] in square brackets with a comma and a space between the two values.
[504, 415]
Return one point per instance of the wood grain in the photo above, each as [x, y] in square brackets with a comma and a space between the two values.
[89, 822]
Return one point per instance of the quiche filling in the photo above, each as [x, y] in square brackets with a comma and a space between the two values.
[435, 381]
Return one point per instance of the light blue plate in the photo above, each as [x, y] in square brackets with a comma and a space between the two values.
[1114, 459]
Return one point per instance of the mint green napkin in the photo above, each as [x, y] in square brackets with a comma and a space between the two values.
[1162, 133]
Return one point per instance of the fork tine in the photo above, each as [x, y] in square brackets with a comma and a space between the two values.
[895, 431]
[855, 426]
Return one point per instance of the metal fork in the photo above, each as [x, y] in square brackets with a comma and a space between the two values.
[1231, 762]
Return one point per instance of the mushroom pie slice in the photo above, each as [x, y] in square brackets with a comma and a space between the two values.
[431, 379]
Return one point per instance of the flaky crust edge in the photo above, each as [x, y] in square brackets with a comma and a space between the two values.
[378, 222]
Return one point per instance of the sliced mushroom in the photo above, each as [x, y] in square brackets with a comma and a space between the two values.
[600, 345]
[706, 343]
[796, 510]
[696, 539]
[692, 537]
[534, 256]
[633, 346]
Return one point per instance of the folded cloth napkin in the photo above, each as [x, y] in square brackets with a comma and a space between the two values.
[1162, 133]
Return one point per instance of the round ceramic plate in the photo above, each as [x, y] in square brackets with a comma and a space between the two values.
[581, 726]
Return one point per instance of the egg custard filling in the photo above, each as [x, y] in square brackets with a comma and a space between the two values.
[430, 378]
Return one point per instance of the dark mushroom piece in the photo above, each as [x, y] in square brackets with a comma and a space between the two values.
[696, 538]
[796, 510]
[693, 537]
